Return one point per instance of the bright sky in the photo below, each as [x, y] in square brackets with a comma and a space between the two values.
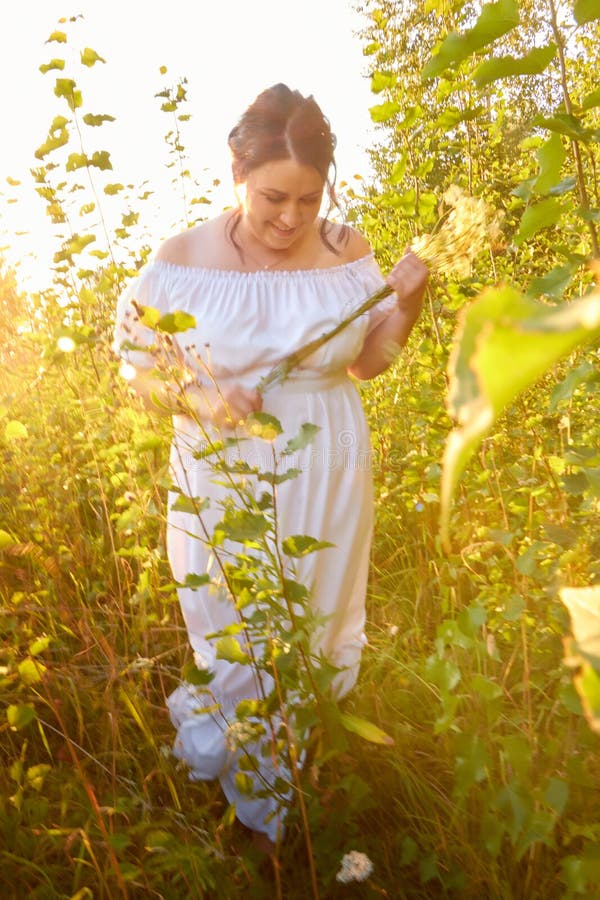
[228, 51]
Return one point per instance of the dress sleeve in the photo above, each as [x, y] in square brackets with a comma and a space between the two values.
[132, 340]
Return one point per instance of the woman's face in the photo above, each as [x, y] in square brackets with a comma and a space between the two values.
[281, 201]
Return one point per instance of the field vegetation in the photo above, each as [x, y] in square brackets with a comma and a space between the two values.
[466, 763]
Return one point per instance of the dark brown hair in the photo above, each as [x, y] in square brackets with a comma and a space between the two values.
[283, 124]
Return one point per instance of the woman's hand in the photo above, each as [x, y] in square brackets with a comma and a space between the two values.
[409, 279]
[224, 408]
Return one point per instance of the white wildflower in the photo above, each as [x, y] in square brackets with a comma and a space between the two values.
[468, 227]
[238, 734]
[356, 866]
[66, 344]
[127, 371]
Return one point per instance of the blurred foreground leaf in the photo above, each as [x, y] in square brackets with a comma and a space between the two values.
[505, 342]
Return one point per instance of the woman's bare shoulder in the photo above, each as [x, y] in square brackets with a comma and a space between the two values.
[189, 247]
[350, 243]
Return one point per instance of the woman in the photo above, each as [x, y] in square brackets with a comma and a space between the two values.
[261, 281]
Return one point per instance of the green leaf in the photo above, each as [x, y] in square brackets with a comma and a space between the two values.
[452, 115]
[241, 526]
[146, 440]
[20, 715]
[444, 673]
[66, 87]
[574, 378]
[36, 775]
[382, 80]
[591, 100]
[365, 729]
[584, 608]
[551, 156]
[398, 169]
[15, 431]
[149, 316]
[191, 505]
[532, 63]
[39, 645]
[53, 64]
[383, 112]
[262, 425]
[194, 581]
[542, 215]
[552, 284]
[302, 545]
[495, 20]
[564, 123]
[587, 683]
[244, 783]
[101, 160]
[89, 57]
[74, 246]
[31, 671]
[175, 322]
[193, 675]
[76, 161]
[586, 11]
[89, 119]
[303, 438]
[504, 344]
[556, 795]
[6, 539]
[228, 648]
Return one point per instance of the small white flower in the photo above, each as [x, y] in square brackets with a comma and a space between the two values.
[356, 866]
[66, 344]
[127, 371]
[239, 734]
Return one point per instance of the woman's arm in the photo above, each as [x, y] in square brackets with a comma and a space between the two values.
[408, 278]
[208, 404]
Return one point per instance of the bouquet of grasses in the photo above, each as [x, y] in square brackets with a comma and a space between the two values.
[466, 227]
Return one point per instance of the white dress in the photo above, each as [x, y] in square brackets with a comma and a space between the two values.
[245, 324]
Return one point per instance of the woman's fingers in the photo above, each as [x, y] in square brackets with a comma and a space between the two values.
[408, 279]
[239, 402]
[408, 275]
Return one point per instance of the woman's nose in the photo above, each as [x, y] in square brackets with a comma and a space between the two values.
[290, 216]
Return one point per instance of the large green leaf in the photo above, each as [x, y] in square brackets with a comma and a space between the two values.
[584, 608]
[586, 11]
[495, 20]
[564, 123]
[532, 63]
[542, 215]
[550, 156]
[505, 342]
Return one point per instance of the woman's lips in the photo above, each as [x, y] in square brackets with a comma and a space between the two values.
[283, 232]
